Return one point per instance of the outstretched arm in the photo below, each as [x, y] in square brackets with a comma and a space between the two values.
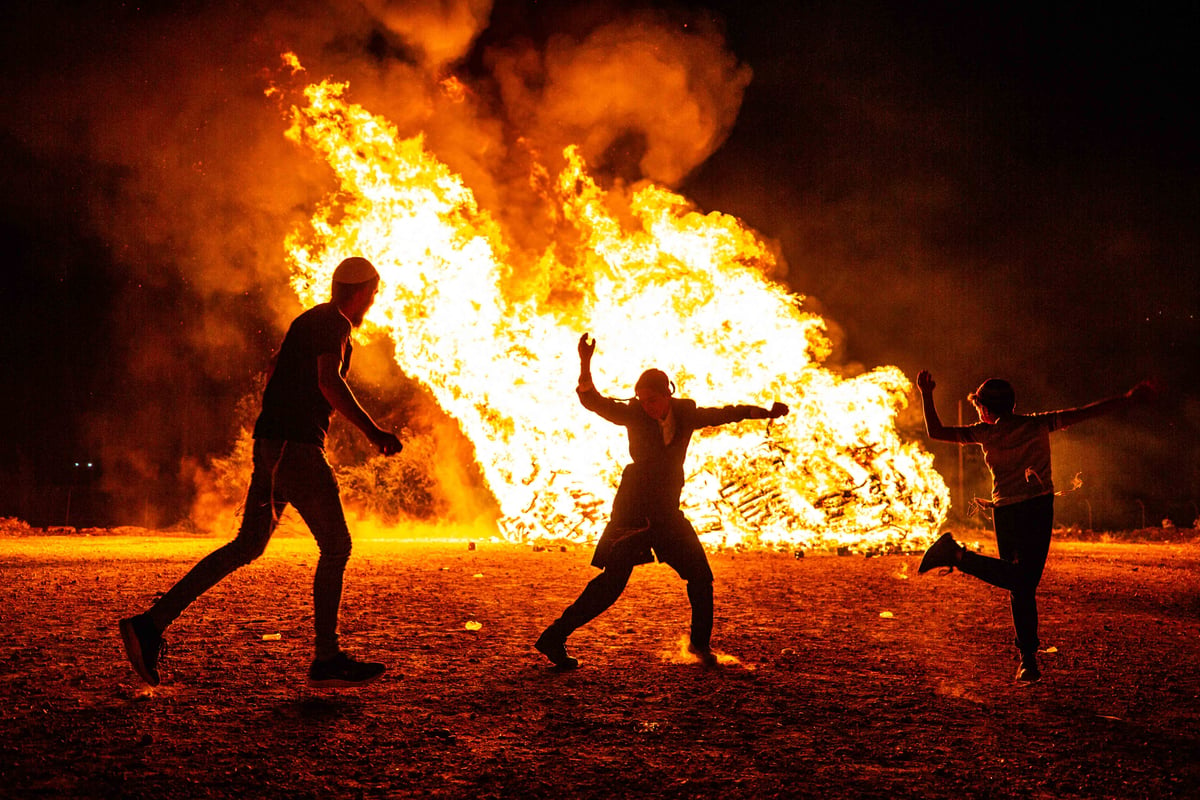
[723, 415]
[338, 393]
[1143, 392]
[933, 423]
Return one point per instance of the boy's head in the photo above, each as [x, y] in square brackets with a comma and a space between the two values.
[355, 282]
[654, 390]
[996, 395]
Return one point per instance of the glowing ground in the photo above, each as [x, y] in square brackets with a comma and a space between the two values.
[821, 692]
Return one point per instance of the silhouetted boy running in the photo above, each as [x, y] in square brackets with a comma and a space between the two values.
[1016, 449]
[646, 520]
[306, 385]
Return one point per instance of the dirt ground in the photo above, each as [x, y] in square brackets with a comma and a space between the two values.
[842, 677]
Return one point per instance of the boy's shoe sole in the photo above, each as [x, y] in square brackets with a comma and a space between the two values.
[941, 553]
[1028, 674]
[343, 672]
[556, 651]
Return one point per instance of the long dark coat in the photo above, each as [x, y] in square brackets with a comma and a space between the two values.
[646, 519]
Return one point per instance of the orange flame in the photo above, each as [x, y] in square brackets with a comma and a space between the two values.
[659, 284]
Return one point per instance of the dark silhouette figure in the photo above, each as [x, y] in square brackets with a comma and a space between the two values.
[646, 520]
[1016, 449]
[306, 385]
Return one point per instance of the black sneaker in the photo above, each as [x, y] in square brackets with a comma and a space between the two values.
[143, 645]
[945, 552]
[1028, 671]
[705, 655]
[342, 671]
[555, 649]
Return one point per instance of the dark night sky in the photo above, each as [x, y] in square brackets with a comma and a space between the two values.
[979, 189]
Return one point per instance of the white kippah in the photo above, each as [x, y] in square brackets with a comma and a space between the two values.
[355, 270]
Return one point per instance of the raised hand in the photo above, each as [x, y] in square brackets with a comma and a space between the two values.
[587, 346]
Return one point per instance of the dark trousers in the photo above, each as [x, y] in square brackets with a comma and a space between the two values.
[604, 589]
[1023, 539]
[284, 472]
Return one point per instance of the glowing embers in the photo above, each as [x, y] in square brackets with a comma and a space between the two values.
[659, 284]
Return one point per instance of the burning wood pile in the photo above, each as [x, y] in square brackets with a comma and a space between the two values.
[490, 330]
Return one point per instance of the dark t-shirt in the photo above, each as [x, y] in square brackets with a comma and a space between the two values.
[1017, 451]
[293, 407]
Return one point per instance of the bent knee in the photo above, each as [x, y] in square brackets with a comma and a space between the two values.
[1024, 593]
[615, 574]
[335, 548]
[243, 551]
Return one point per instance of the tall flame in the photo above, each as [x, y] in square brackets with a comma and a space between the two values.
[658, 284]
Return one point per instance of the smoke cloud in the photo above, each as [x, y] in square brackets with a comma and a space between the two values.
[441, 32]
[644, 97]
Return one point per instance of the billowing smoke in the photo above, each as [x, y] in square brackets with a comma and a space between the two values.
[640, 95]
[440, 32]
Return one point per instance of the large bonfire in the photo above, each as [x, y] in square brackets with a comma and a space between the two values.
[659, 284]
